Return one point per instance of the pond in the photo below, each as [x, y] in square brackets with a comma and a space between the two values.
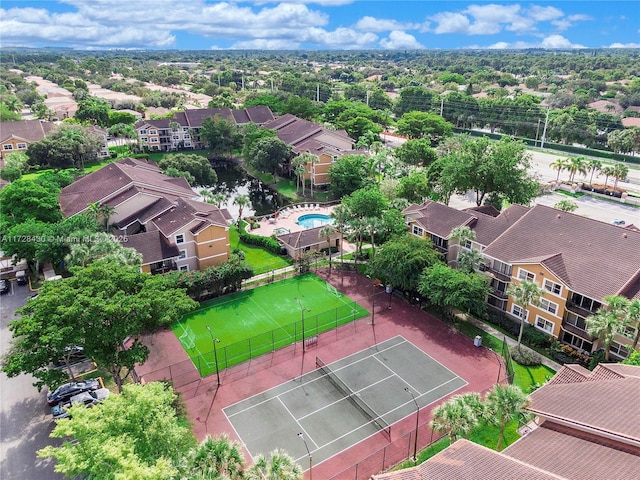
[233, 180]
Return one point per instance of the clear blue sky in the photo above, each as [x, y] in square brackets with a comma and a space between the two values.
[319, 24]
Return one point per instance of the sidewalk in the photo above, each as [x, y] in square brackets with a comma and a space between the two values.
[511, 342]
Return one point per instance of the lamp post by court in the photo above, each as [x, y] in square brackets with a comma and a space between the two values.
[373, 300]
[415, 440]
[389, 290]
[302, 310]
[309, 454]
[215, 352]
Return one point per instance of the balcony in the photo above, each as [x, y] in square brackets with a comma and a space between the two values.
[163, 267]
[583, 312]
[578, 332]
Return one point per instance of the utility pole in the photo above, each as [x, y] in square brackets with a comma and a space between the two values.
[317, 92]
[272, 85]
[544, 130]
[441, 106]
[367, 98]
[537, 132]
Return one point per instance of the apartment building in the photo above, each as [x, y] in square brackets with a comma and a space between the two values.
[17, 136]
[155, 214]
[577, 261]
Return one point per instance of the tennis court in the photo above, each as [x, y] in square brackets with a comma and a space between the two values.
[257, 321]
[340, 404]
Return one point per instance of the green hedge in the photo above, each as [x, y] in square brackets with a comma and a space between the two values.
[592, 152]
[269, 243]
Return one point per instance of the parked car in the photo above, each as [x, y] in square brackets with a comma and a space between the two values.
[64, 392]
[88, 399]
[4, 286]
[21, 277]
[617, 221]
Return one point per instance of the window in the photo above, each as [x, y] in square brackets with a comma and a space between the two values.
[548, 306]
[187, 144]
[577, 342]
[503, 268]
[153, 132]
[524, 275]
[183, 268]
[185, 129]
[467, 244]
[585, 302]
[619, 350]
[187, 137]
[154, 140]
[518, 311]
[552, 287]
[144, 139]
[183, 255]
[418, 231]
[439, 242]
[180, 238]
[544, 324]
[143, 131]
[7, 146]
[576, 320]
[176, 137]
[629, 332]
[21, 146]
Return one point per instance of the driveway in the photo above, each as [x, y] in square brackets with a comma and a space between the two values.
[25, 419]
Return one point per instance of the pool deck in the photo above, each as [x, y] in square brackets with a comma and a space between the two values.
[288, 219]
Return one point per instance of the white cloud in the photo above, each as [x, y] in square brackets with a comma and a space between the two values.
[400, 41]
[623, 45]
[345, 38]
[449, 22]
[544, 14]
[558, 41]
[371, 24]
[488, 19]
[263, 44]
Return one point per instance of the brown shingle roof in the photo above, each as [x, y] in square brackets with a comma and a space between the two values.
[185, 212]
[152, 245]
[465, 460]
[584, 244]
[489, 227]
[304, 135]
[438, 218]
[582, 404]
[110, 180]
[303, 238]
[573, 457]
[29, 130]
[259, 114]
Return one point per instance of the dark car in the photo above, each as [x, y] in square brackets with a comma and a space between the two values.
[64, 392]
[88, 399]
[4, 286]
[21, 277]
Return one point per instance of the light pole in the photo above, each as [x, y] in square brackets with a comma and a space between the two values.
[215, 352]
[308, 453]
[373, 300]
[302, 310]
[415, 440]
[389, 289]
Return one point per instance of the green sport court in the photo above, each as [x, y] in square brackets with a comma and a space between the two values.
[258, 321]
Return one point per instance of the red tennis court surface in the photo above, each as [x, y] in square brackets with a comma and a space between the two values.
[478, 366]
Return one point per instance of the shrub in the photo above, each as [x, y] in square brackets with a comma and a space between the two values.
[268, 243]
[563, 353]
[525, 357]
[535, 338]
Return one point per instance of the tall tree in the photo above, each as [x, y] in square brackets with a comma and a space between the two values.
[68, 145]
[136, 435]
[592, 166]
[277, 466]
[454, 289]
[341, 214]
[608, 321]
[401, 260]
[560, 164]
[457, 416]
[347, 175]
[268, 154]
[503, 404]
[524, 294]
[197, 165]
[620, 172]
[488, 168]
[241, 201]
[576, 165]
[424, 125]
[327, 232]
[213, 459]
[98, 308]
[219, 134]
[93, 110]
[308, 160]
[416, 152]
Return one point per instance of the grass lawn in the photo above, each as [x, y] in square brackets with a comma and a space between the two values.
[258, 321]
[259, 258]
[157, 156]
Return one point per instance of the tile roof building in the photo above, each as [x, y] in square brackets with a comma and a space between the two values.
[182, 130]
[17, 136]
[155, 214]
[565, 254]
[585, 426]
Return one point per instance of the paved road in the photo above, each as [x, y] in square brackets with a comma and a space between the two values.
[25, 420]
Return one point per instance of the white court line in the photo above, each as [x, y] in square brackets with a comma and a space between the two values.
[299, 424]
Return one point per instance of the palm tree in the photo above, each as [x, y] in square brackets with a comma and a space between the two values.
[213, 459]
[341, 214]
[309, 159]
[524, 293]
[327, 232]
[633, 320]
[560, 164]
[241, 201]
[456, 417]
[566, 206]
[609, 171]
[299, 169]
[279, 466]
[620, 171]
[576, 165]
[372, 225]
[609, 321]
[468, 260]
[504, 403]
[592, 165]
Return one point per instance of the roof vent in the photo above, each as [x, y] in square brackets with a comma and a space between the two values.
[624, 235]
[558, 215]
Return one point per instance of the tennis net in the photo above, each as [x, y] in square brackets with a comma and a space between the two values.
[342, 387]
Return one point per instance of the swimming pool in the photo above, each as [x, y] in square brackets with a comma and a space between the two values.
[312, 220]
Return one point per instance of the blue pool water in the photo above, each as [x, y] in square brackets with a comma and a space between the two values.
[314, 220]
